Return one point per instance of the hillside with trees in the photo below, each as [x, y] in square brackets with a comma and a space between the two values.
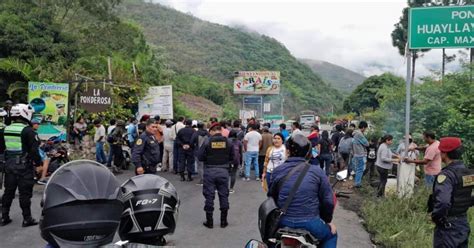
[215, 52]
[338, 77]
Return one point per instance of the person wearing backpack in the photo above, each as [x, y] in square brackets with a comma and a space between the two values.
[325, 152]
[344, 150]
[371, 158]
[197, 140]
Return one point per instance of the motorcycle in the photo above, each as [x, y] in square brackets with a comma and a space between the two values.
[56, 152]
[298, 238]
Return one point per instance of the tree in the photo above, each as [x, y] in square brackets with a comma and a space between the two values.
[400, 36]
[368, 95]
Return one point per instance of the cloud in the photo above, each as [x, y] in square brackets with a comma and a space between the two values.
[353, 34]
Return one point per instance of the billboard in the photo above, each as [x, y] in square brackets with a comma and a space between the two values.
[159, 101]
[50, 102]
[95, 99]
[257, 83]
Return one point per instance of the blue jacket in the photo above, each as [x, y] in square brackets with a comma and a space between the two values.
[314, 197]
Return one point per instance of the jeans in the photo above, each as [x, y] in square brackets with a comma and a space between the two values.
[326, 162]
[268, 176]
[111, 155]
[99, 152]
[251, 158]
[359, 166]
[383, 181]
[317, 227]
[429, 181]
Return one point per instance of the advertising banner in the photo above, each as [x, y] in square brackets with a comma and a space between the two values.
[159, 101]
[257, 83]
[50, 102]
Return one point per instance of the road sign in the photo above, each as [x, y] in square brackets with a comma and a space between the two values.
[441, 27]
[252, 100]
[273, 117]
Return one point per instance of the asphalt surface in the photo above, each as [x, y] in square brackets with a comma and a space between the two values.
[190, 232]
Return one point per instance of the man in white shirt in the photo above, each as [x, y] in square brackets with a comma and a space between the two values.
[296, 129]
[99, 139]
[174, 131]
[168, 142]
[252, 145]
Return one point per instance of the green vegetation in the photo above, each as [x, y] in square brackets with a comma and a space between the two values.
[214, 52]
[368, 94]
[338, 77]
[402, 222]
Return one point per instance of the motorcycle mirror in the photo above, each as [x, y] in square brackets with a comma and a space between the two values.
[255, 244]
[341, 175]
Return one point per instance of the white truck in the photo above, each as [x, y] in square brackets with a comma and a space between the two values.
[308, 118]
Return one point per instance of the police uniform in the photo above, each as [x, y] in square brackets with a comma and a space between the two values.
[216, 153]
[146, 153]
[21, 156]
[451, 199]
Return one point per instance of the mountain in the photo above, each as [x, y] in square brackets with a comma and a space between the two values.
[339, 77]
[215, 52]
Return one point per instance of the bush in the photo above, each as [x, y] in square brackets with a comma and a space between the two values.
[396, 222]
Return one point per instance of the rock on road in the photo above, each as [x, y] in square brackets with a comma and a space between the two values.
[190, 232]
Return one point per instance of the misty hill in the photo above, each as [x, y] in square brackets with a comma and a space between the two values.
[339, 77]
[199, 48]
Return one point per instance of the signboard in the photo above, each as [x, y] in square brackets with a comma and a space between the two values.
[266, 107]
[441, 27]
[50, 102]
[95, 99]
[273, 117]
[159, 101]
[252, 100]
[257, 82]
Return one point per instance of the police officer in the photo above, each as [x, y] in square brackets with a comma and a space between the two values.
[7, 109]
[452, 197]
[217, 154]
[146, 152]
[22, 156]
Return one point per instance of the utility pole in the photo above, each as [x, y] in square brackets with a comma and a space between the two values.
[404, 187]
[443, 66]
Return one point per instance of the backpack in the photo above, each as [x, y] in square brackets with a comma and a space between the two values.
[372, 154]
[236, 147]
[345, 145]
[201, 140]
[111, 138]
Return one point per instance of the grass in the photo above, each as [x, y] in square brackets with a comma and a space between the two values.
[402, 222]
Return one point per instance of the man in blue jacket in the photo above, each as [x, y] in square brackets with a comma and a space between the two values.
[313, 204]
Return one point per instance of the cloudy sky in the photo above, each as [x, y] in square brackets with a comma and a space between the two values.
[350, 33]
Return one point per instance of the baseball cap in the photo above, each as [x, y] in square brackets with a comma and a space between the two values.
[35, 121]
[448, 144]
[215, 124]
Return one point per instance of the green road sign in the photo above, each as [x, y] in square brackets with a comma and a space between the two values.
[273, 117]
[441, 27]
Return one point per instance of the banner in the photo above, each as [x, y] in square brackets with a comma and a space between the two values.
[50, 102]
[159, 101]
[95, 99]
[257, 83]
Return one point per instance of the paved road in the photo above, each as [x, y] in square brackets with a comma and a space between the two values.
[190, 232]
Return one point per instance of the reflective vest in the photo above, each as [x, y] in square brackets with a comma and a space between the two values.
[12, 136]
[218, 152]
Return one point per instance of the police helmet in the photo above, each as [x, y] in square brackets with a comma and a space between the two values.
[298, 146]
[22, 110]
[80, 206]
[151, 209]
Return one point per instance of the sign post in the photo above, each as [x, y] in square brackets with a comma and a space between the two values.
[95, 100]
[159, 101]
[432, 28]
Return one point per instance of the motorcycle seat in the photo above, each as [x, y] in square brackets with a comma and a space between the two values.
[292, 232]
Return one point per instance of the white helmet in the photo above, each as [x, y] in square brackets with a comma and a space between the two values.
[22, 110]
[3, 113]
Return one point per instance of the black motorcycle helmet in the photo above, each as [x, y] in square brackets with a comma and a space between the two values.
[151, 209]
[80, 206]
[298, 146]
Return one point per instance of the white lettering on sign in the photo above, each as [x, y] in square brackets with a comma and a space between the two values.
[467, 14]
[445, 28]
[95, 100]
[463, 39]
[436, 40]
[96, 92]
